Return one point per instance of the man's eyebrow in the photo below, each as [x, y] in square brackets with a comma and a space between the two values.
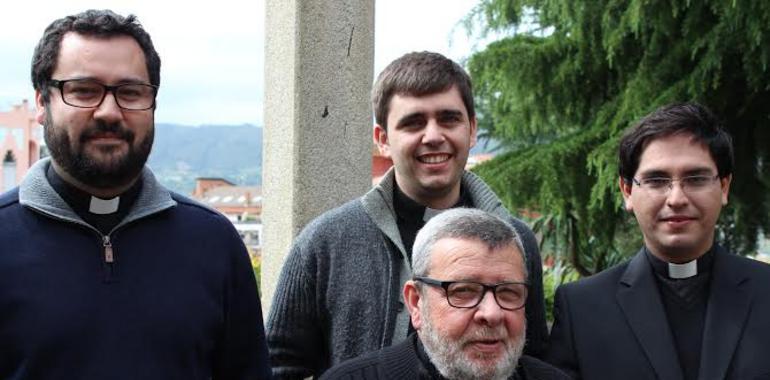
[450, 113]
[79, 77]
[410, 118]
[698, 171]
[121, 81]
[655, 173]
[130, 80]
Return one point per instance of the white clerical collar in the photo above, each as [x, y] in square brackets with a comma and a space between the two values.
[430, 213]
[686, 270]
[104, 206]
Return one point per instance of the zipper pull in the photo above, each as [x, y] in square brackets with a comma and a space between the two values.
[108, 257]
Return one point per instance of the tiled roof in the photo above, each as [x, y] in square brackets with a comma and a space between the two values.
[233, 196]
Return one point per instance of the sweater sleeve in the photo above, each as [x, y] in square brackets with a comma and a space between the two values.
[242, 352]
[294, 335]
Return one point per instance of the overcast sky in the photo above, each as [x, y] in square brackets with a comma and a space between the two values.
[213, 57]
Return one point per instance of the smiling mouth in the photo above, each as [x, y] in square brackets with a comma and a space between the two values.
[434, 158]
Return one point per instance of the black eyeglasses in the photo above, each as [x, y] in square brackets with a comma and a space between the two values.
[468, 294]
[88, 93]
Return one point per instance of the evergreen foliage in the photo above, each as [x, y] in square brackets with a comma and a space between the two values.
[571, 76]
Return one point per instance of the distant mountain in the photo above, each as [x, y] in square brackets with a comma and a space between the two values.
[485, 145]
[182, 153]
[234, 152]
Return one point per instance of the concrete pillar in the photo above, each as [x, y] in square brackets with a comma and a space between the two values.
[317, 149]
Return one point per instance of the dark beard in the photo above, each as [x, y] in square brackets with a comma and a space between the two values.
[117, 172]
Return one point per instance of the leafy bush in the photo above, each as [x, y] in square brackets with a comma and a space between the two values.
[553, 277]
[256, 265]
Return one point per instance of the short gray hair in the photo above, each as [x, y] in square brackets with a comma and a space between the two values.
[463, 223]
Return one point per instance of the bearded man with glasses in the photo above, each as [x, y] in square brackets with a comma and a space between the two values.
[466, 302]
[104, 273]
[683, 307]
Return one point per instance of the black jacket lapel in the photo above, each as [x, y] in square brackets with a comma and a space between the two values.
[639, 299]
[728, 307]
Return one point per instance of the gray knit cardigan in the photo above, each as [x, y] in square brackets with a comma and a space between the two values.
[339, 292]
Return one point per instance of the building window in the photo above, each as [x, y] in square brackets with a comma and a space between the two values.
[9, 171]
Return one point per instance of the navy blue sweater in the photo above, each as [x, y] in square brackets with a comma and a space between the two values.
[179, 300]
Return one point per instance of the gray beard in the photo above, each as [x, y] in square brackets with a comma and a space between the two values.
[450, 360]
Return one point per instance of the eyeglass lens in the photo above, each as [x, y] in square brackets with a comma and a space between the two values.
[690, 183]
[470, 294]
[86, 93]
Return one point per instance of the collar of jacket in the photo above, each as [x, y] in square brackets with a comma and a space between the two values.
[378, 204]
[36, 193]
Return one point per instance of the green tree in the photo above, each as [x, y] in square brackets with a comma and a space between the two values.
[569, 77]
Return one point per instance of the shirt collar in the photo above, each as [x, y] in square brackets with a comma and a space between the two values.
[90, 208]
[690, 269]
[410, 210]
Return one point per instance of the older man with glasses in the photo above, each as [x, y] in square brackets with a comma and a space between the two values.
[466, 303]
[683, 307]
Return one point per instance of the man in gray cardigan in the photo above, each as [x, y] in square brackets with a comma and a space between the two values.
[338, 295]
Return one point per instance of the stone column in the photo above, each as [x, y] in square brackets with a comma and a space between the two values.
[319, 58]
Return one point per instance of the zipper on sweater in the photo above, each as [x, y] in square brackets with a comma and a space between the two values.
[109, 259]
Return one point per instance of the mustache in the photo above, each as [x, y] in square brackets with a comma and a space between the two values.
[102, 128]
[486, 333]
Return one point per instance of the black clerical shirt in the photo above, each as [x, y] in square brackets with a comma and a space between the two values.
[410, 216]
[80, 202]
[685, 301]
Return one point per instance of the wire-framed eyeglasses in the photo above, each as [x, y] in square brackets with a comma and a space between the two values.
[88, 93]
[689, 184]
[468, 294]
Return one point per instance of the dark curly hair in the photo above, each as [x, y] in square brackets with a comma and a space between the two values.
[97, 23]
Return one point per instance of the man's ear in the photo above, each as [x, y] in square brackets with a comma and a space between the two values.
[412, 301]
[381, 139]
[625, 189]
[473, 131]
[724, 183]
[40, 106]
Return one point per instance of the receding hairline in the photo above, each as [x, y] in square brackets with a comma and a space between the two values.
[489, 250]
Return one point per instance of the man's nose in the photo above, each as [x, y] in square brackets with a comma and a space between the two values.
[676, 196]
[109, 110]
[488, 311]
[434, 133]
